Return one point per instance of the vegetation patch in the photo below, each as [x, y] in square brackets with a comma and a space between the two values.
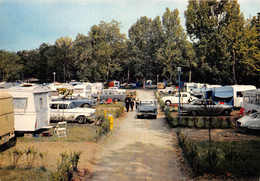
[229, 158]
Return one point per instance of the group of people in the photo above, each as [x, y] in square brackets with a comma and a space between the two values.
[129, 102]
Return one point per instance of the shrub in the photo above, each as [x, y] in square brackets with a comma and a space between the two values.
[15, 156]
[66, 167]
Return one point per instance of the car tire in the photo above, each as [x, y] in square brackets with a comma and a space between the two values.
[81, 119]
[244, 130]
[168, 102]
[116, 100]
[194, 113]
[139, 117]
[86, 105]
[154, 117]
[226, 112]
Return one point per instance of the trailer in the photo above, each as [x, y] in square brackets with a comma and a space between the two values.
[6, 117]
[251, 100]
[231, 95]
[31, 108]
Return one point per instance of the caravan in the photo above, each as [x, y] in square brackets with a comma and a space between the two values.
[31, 108]
[6, 117]
[231, 95]
[251, 100]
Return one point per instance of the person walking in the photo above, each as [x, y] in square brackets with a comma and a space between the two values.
[127, 103]
[132, 103]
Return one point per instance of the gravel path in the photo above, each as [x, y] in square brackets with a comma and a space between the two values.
[141, 149]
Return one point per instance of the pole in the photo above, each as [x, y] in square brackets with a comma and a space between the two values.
[179, 70]
[179, 98]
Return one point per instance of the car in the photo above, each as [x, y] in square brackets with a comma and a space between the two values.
[69, 111]
[206, 107]
[146, 108]
[250, 121]
[185, 98]
[80, 102]
[167, 90]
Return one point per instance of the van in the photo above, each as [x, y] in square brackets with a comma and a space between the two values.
[6, 117]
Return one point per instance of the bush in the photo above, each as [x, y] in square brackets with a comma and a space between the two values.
[240, 159]
[66, 167]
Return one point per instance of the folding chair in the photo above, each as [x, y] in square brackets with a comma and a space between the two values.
[61, 129]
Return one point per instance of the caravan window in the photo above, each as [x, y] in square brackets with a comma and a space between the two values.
[239, 94]
[20, 103]
[253, 99]
[246, 98]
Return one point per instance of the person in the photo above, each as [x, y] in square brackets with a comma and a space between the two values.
[132, 103]
[127, 103]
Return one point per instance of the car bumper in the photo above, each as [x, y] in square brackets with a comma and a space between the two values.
[146, 113]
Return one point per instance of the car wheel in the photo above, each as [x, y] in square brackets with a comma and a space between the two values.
[194, 113]
[86, 105]
[244, 130]
[116, 100]
[167, 102]
[154, 117]
[226, 112]
[139, 117]
[81, 120]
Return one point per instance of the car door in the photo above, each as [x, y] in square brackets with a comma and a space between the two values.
[63, 111]
[55, 112]
[184, 98]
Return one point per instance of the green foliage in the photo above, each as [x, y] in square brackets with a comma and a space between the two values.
[31, 154]
[15, 156]
[240, 159]
[66, 167]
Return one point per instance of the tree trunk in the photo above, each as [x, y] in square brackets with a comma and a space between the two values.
[234, 68]
[190, 76]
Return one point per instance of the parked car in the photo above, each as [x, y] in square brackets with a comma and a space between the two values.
[250, 121]
[185, 97]
[68, 111]
[146, 108]
[110, 95]
[81, 102]
[206, 107]
[167, 90]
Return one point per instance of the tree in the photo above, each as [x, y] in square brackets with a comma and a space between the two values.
[216, 28]
[174, 45]
[10, 66]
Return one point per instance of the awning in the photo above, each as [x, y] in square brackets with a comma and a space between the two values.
[223, 94]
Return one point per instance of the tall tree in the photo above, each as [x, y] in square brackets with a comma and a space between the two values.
[215, 27]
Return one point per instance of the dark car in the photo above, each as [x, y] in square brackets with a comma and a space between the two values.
[146, 108]
[206, 107]
[81, 102]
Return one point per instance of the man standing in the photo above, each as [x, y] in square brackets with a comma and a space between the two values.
[127, 103]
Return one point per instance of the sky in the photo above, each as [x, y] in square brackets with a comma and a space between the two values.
[26, 24]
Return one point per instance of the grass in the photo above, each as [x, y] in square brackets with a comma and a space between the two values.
[24, 174]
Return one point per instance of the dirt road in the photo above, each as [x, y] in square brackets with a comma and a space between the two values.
[141, 149]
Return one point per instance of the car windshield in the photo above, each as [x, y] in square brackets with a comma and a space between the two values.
[72, 105]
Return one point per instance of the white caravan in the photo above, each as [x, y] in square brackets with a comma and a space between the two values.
[251, 100]
[31, 108]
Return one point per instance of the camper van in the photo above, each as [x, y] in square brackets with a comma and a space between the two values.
[231, 95]
[31, 108]
[6, 117]
[251, 100]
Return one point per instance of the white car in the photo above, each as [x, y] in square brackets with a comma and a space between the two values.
[185, 98]
[68, 111]
[167, 90]
[250, 121]
[115, 90]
